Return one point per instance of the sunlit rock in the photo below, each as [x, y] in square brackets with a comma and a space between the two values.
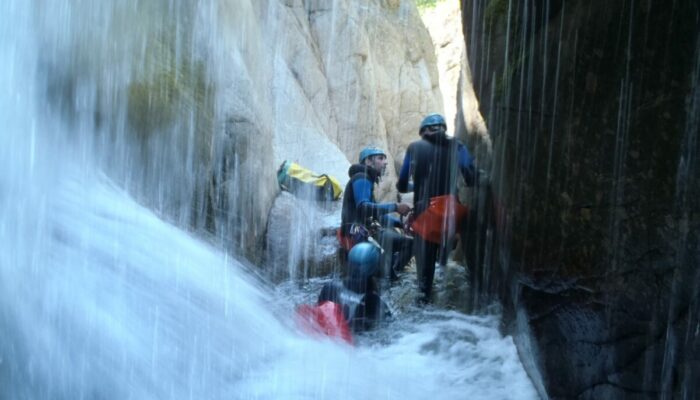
[444, 22]
[380, 66]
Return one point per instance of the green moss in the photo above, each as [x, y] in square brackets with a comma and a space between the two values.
[495, 11]
[152, 103]
[167, 88]
[513, 64]
[427, 4]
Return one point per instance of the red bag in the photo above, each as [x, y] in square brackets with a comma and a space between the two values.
[325, 318]
[441, 220]
[345, 242]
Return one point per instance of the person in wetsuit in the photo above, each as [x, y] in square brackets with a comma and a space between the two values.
[357, 294]
[433, 163]
[360, 210]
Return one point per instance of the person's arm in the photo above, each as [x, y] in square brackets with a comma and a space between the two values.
[466, 165]
[403, 185]
[362, 189]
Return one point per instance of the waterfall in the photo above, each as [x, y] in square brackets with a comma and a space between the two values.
[107, 289]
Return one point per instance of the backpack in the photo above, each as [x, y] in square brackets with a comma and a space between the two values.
[306, 184]
[443, 218]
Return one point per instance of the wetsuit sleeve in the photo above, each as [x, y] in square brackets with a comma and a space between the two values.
[402, 185]
[466, 166]
[362, 189]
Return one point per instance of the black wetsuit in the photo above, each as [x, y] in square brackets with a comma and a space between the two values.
[358, 298]
[360, 206]
[434, 163]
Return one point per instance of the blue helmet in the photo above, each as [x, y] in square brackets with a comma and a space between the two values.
[369, 152]
[432, 119]
[363, 259]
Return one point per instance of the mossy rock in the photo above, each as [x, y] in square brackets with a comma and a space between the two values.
[427, 4]
[168, 87]
[495, 10]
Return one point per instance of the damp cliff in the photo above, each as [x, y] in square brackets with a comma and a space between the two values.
[205, 100]
[593, 109]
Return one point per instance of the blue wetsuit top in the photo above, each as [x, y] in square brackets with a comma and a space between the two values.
[359, 204]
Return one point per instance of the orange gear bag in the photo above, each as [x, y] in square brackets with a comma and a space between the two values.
[444, 217]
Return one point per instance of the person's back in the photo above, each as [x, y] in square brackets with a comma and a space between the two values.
[357, 294]
[433, 162]
[435, 169]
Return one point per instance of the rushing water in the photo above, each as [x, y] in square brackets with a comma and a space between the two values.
[103, 297]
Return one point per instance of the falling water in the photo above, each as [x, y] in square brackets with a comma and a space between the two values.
[683, 341]
[104, 293]
[596, 202]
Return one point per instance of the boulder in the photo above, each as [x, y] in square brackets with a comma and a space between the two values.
[301, 241]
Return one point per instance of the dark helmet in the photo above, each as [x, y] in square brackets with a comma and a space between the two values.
[363, 259]
[369, 152]
[432, 119]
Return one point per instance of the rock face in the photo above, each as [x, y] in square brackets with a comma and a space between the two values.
[379, 66]
[346, 75]
[594, 109]
[204, 100]
[301, 241]
[444, 23]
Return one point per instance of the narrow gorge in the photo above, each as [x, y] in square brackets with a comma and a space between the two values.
[149, 252]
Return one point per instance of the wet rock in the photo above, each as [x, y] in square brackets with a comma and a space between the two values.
[594, 113]
[301, 241]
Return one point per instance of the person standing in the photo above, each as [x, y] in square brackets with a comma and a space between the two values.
[433, 164]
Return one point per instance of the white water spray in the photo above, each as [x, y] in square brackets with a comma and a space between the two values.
[100, 298]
